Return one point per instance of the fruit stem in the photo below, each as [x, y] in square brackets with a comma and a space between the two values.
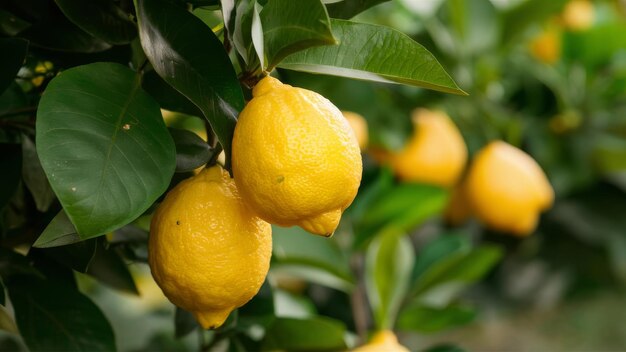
[216, 153]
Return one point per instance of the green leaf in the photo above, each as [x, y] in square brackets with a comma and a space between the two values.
[34, 177]
[10, 24]
[59, 232]
[595, 46]
[290, 26]
[517, 19]
[13, 54]
[103, 145]
[192, 60]
[77, 255]
[52, 316]
[444, 348]
[439, 249]
[238, 16]
[2, 292]
[108, 267]
[12, 263]
[346, 9]
[260, 310]
[374, 53]
[388, 265]
[11, 342]
[400, 209]
[168, 97]
[426, 319]
[314, 334]
[11, 166]
[313, 274]
[56, 32]
[102, 19]
[191, 151]
[289, 305]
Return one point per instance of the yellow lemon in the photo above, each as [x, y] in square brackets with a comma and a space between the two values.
[578, 15]
[295, 159]
[383, 341]
[435, 153]
[507, 189]
[359, 126]
[207, 251]
[546, 47]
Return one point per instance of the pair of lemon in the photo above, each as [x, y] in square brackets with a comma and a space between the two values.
[296, 161]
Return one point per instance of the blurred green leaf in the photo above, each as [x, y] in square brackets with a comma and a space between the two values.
[444, 348]
[192, 60]
[595, 46]
[439, 249]
[426, 319]
[289, 305]
[290, 26]
[313, 334]
[101, 18]
[296, 246]
[34, 177]
[53, 316]
[108, 267]
[388, 265]
[184, 323]
[313, 274]
[191, 151]
[363, 53]
[516, 20]
[400, 209]
[475, 24]
[260, 309]
[10, 24]
[11, 342]
[122, 157]
[11, 166]
[12, 263]
[59, 232]
[2, 292]
[346, 9]
[14, 52]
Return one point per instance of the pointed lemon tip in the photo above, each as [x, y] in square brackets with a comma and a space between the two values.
[324, 224]
[266, 85]
[212, 319]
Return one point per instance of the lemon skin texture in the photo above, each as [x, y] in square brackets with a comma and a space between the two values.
[507, 189]
[435, 153]
[295, 159]
[359, 126]
[383, 341]
[207, 251]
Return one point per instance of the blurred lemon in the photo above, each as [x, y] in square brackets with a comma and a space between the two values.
[295, 159]
[507, 189]
[383, 341]
[546, 47]
[207, 251]
[435, 153]
[458, 209]
[578, 15]
[42, 68]
[359, 126]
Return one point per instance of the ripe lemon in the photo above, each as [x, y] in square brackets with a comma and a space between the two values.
[207, 251]
[578, 15]
[507, 189]
[295, 159]
[546, 47]
[359, 126]
[435, 153]
[383, 341]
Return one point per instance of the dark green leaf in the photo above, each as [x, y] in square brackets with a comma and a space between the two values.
[56, 32]
[374, 53]
[439, 249]
[426, 319]
[104, 146]
[102, 19]
[12, 263]
[192, 60]
[11, 24]
[238, 16]
[11, 166]
[260, 308]
[315, 334]
[11, 342]
[2, 292]
[13, 54]
[290, 26]
[388, 267]
[77, 256]
[51, 316]
[346, 9]
[168, 97]
[59, 232]
[191, 151]
[444, 348]
[108, 267]
[34, 177]
[184, 323]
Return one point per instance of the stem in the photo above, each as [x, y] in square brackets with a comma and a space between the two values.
[358, 300]
[216, 153]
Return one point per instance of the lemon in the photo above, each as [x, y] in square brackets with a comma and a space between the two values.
[435, 153]
[383, 341]
[578, 15]
[359, 126]
[207, 251]
[546, 47]
[507, 189]
[295, 159]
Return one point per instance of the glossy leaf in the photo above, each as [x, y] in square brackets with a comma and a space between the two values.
[191, 151]
[439, 249]
[374, 53]
[388, 266]
[192, 60]
[13, 55]
[59, 232]
[238, 16]
[429, 320]
[346, 9]
[103, 145]
[313, 334]
[290, 26]
[52, 316]
[34, 177]
[102, 19]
